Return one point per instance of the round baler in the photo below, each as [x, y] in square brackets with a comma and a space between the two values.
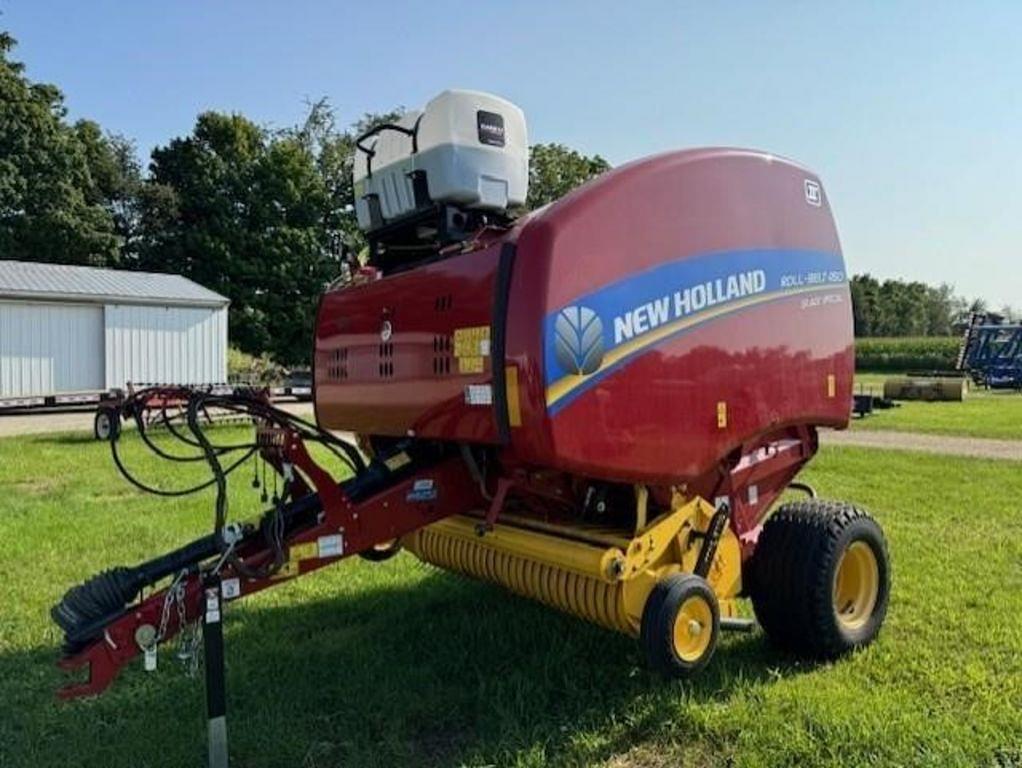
[597, 405]
[634, 375]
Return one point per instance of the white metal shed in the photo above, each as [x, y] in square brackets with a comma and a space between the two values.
[84, 329]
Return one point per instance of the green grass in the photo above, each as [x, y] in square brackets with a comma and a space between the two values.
[984, 413]
[399, 664]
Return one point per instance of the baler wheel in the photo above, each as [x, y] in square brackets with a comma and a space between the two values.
[680, 625]
[381, 552]
[820, 578]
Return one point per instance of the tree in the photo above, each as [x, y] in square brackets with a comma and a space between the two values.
[555, 170]
[55, 179]
[243, 212]
[259, 216]
[116, 176]
[899, 308]
[334, 153]
[865, 304]
[941, 307]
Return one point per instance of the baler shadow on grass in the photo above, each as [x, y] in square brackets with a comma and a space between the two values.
[445, 671]
[457, 672]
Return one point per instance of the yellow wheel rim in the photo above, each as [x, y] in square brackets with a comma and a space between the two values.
[693, 628]
[856, 585]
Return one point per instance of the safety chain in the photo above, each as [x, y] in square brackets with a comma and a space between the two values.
[175, 594]
[189, 649]
[189, 643]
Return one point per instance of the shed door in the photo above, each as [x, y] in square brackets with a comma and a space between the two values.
[165, 345]
[50, 348]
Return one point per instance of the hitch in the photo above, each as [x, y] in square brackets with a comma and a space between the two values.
[325, 520]
[318, 534]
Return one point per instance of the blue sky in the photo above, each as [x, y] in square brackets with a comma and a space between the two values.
[910, 111]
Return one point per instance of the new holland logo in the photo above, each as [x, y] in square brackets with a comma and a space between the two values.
[578, 343]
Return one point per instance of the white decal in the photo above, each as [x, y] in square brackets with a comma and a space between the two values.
[231, 588]
[331, 546]
[479, 394]
[814, 196]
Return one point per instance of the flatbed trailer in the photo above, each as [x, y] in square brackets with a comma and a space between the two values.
[107, 404]
[55, 403]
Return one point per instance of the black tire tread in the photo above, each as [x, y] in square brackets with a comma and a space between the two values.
[114, 420]
[656, 634]
[792, 572]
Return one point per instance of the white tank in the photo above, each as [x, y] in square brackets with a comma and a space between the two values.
[465, 147]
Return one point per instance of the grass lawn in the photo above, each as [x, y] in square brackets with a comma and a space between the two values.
[984, 413]
[399, 664]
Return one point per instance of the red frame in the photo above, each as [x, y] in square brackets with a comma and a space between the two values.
[371, 522]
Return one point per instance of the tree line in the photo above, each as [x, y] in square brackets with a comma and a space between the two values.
[259, 215]
[904, 308]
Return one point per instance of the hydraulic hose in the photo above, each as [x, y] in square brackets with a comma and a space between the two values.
[159, 491]
[86, 609]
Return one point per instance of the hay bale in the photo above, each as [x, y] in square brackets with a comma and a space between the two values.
[935, 389]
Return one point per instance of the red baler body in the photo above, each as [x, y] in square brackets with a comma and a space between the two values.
[762, 341]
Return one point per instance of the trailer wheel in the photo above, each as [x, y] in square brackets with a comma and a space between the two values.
[680, 625]
[106, 425]
[820, 578]
[381, 552]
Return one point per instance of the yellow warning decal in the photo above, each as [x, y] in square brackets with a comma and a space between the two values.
[514, 405]
[722, 415]
[398, 460]
[470, 365]
[472, 342]
[304, 551]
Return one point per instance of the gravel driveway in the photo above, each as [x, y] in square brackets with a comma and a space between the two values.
[81, 421]
[913, 441]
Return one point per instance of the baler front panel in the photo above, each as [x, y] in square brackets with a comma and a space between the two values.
[411, 352]
[692, 303]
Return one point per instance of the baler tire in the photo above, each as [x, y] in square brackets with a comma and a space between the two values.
[381, 552]
[794, 578]
[660, 616]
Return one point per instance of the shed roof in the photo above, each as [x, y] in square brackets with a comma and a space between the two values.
[63, 282]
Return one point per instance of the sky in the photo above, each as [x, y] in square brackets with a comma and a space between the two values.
[911, 112]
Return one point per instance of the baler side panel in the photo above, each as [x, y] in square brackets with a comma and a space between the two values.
[399, 354]
[687, 305]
